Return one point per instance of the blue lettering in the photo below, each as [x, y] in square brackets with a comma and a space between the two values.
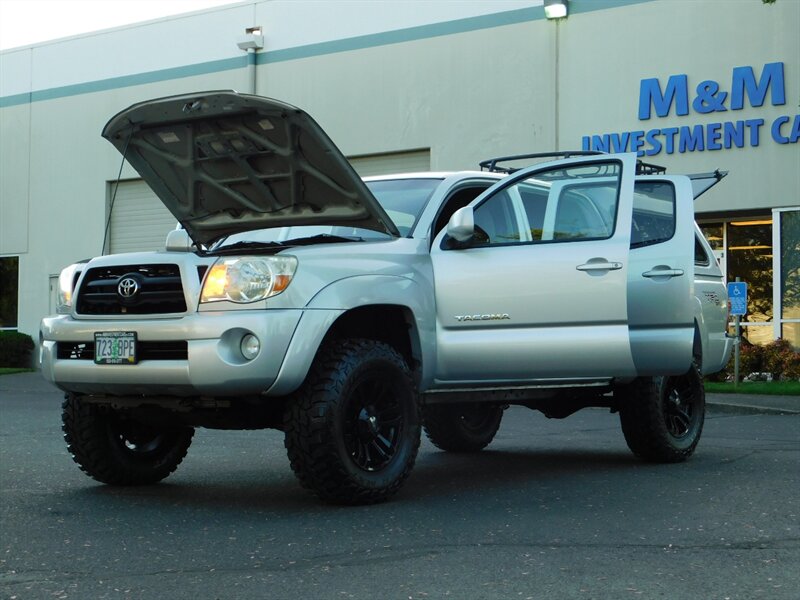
[744, 83]
[712, 136]
[776, 130]
[754, 125]
[650, 95]
[795, 134]
[601, 143]
[637, 142]
[690, 140]
[709, 98]
[669, 133]
[619, 141]
[585, 142]
[733, 134]
[652, 139]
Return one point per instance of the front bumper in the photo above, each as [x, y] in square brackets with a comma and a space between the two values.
[214, 365]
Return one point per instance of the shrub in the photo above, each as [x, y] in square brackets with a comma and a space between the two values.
[778, 358]
[15, 349]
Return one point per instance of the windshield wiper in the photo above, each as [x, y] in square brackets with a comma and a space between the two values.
[322, 238]
[236, 246]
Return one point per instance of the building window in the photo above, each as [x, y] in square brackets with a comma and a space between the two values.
[9, 287]
[744, 249]
[790, 276]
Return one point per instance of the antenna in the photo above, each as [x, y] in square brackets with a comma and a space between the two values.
[114, 193]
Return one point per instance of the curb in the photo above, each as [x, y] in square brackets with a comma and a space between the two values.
[748, 409]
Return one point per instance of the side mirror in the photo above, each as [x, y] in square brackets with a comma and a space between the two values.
[178, 240]
[461, 226]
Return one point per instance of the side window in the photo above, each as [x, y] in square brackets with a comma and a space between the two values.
[585, 212]
[496, 221]
[459, 199]
[700, 256]
[653, 219]
[563, 204]
[534, 201]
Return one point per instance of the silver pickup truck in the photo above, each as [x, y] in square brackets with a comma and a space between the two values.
[352, 314]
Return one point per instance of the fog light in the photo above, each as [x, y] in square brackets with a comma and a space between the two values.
[250, 346]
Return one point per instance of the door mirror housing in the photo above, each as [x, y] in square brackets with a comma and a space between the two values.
[178, 240]
[461, 226]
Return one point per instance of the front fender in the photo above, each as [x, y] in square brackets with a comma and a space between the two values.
[335, 299]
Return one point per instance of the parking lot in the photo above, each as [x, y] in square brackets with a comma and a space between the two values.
[553, 509]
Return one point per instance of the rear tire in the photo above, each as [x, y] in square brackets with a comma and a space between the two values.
[662, 417]
[353, 429]
[117, 450]
[467, 427]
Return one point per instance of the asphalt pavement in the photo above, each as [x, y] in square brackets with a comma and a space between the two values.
[553, 509]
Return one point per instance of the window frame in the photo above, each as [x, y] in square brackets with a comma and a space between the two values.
[448, 244]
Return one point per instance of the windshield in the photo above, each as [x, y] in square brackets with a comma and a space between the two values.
[403, 199]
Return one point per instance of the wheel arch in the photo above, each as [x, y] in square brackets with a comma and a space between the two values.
[392, 324]
[391, 309]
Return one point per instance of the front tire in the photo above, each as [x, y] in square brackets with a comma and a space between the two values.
[353, 429]
[468, 427]
[117, 450]
[662, 417]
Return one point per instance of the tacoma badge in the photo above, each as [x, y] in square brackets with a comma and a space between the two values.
[492, 317]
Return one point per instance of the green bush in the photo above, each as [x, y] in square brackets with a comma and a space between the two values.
[778, 358]
[15, 349]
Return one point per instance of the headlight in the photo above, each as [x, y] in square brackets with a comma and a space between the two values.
[66, 283]
[248, 278]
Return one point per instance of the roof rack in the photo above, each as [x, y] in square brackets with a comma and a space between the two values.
[490, 164]
[643, 168]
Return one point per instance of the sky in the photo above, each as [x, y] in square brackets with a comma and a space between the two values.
[25, 22]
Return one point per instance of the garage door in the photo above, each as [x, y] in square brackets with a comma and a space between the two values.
[417, 161]
[139, 221]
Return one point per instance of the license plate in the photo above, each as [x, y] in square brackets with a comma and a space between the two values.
[115, 348]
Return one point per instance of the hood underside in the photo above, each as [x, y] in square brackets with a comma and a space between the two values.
[224, 163]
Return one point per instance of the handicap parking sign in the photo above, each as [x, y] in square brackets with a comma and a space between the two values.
[737, 295]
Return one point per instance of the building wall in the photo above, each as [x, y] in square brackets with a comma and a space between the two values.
[466, 80]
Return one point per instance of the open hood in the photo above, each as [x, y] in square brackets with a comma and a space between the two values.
[224, 163]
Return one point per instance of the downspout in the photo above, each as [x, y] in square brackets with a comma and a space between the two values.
[251, 42]
[251, 69]
[556, 90]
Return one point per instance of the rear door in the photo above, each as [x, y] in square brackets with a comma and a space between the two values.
[661, 275]
[541, 291]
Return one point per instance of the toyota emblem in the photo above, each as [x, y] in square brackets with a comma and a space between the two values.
[128, 287]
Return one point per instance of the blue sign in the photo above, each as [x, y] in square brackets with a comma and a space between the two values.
[737, 294]
[678, 96]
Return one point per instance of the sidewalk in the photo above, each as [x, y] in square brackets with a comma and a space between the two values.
[754, 403]
[34, 383]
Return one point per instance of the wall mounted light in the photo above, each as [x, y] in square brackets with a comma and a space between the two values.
[555, 9]
[253, 39]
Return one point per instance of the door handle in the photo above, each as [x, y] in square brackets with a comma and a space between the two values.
[663, 273]
[599, 266]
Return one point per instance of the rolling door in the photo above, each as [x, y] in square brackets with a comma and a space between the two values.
[139, 221]
[418, 161]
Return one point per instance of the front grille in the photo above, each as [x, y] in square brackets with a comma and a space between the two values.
[158, 291]
[144, 350]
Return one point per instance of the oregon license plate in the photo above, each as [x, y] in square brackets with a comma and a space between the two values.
[115, 348]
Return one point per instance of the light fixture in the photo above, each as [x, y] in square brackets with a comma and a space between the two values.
[746, 223]
[555, 9]
[253, 39]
